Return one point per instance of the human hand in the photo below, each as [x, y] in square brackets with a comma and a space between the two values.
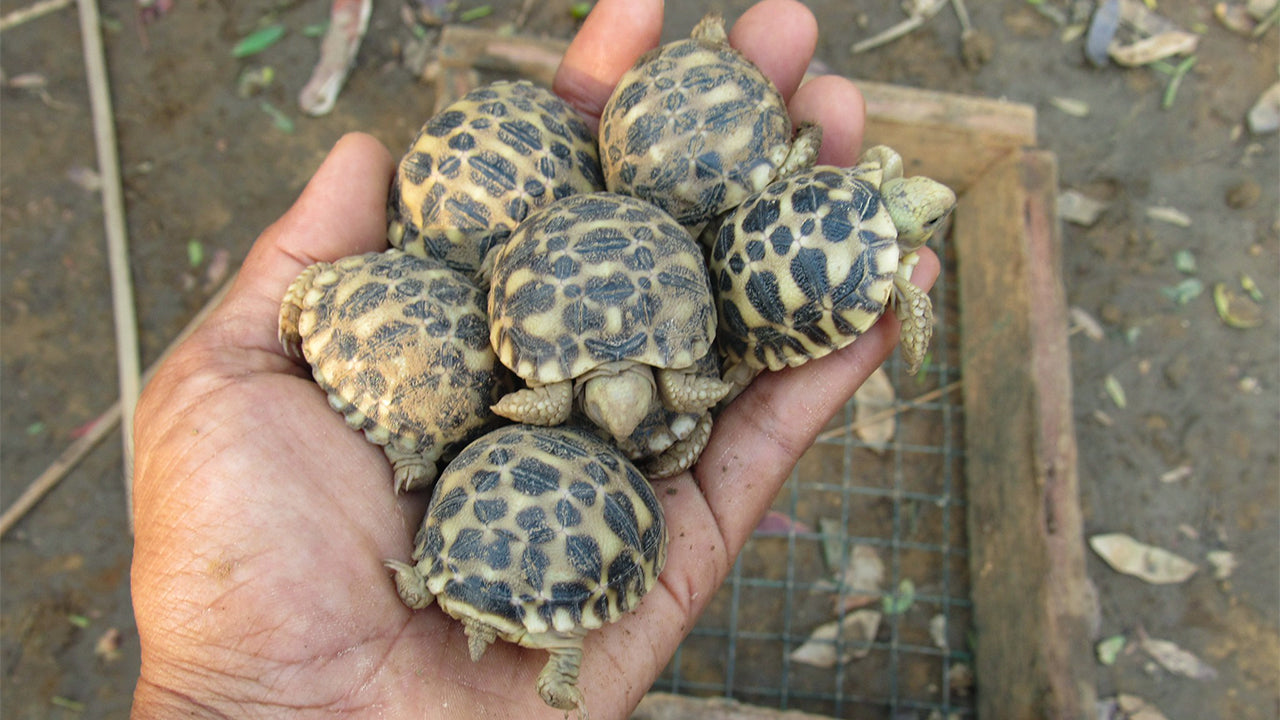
[262, 520]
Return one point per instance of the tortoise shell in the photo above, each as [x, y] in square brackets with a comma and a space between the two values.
[694, 127]
[803, 268]
[535, 530]
[481, 165]
[599, 278]
[401, 346]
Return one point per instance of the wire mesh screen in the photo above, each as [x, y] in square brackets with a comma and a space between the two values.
[852, 508]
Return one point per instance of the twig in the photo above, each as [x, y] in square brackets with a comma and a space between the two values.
[125, 317]
[888, 413]
[105, 423]
[962, 14]
[31, 12]
[921, 11]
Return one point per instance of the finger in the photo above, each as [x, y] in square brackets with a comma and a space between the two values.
[779, 36]
[834, 103]
[761, 435]
[341, 212]
[612, 38]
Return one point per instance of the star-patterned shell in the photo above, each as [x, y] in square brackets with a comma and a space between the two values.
[595, 279]
[480, 166]
[540, 529]
[401, 345]
[694, 127]
[803, 268]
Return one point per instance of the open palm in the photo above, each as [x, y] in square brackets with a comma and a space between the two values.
[262, 520]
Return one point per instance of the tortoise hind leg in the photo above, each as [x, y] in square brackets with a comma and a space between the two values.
[683, 453]
[538, 405]
[413, 470]
[289, 334]
[558, 681]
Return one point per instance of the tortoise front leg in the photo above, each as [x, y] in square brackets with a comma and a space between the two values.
[915, 310]
[686, 391]
[546, 405]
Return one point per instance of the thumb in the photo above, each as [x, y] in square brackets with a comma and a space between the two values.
[341, 212]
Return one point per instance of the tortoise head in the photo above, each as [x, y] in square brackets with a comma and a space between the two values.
[918, 206]
[619, 402]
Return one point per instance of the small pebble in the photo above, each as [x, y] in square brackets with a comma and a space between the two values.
[1243, 195]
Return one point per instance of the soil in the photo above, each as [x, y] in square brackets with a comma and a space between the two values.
[206, 169]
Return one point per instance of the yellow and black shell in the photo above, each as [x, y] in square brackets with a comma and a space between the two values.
[694, 127]
[803, 268]
[599, 278]
[401, 346]
[535, 530]
[481, 165]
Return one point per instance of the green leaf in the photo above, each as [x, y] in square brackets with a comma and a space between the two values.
[67, 704]
[1185, 262]
[1108, 649]
[79, 621]
[1185, 291]
[195, 253]
[315, 31]
[257, 41]
[902, 600]
[580, 10]
[475, 13]
[35, 428]
[1115, 390]
[279, 119]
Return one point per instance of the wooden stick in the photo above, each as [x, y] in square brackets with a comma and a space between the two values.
[125, 316]
[889, 412]
[105, 423]
[31, 12]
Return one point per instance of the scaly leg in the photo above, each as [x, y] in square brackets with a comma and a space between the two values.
[538, 405]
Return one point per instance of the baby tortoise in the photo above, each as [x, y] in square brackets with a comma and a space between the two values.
[401, 346]
[536, 535]
[694, 127]
[606, 297]
[809, 264]
[482, 165]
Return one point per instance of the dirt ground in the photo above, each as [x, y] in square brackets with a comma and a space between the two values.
[206, 169]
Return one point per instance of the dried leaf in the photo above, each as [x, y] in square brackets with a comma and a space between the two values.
[1178, 474]
[1071, 106]
[938, 630]
[1108, 649]
[1235, 310]
[1156, 47]
[1176, 660]
[1115, 390]
[1170, 215]
[871, 401]
[108, 645]
[87, 178]
[838, 642]
[859, 582]
[1087, 324]
[1078, 208]
[1224, 563]
[1146, 562]
[1264, 116]
[832, 533]
[1135, 708]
